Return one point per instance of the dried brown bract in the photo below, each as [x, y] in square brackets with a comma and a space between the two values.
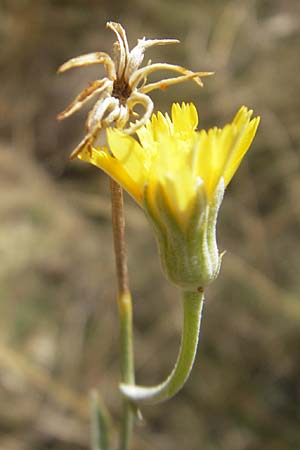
[123, 87]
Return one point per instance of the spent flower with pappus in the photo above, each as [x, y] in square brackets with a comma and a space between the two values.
[124, 86]
[178, 175]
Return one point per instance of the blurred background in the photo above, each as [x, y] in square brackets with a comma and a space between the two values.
[58, 315]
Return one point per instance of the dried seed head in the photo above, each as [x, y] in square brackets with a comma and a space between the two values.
[124, 86]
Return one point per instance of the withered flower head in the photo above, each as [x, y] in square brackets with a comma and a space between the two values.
[123, 87]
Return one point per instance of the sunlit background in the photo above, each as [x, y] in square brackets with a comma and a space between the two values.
[58, 315]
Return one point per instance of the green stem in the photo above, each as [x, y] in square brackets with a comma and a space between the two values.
[125, 311]
[192, 309]
[127, 366]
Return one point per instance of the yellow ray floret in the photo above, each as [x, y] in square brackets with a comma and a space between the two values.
[172, 154]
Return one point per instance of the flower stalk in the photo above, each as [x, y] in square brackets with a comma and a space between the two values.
[192, 313]
[124, 309]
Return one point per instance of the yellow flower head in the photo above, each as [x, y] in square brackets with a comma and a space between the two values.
[178, 174]
[170, 152]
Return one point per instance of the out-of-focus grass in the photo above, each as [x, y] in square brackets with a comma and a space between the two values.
[59, 331]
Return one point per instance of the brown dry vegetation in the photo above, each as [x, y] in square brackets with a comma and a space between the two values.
[58, 321]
